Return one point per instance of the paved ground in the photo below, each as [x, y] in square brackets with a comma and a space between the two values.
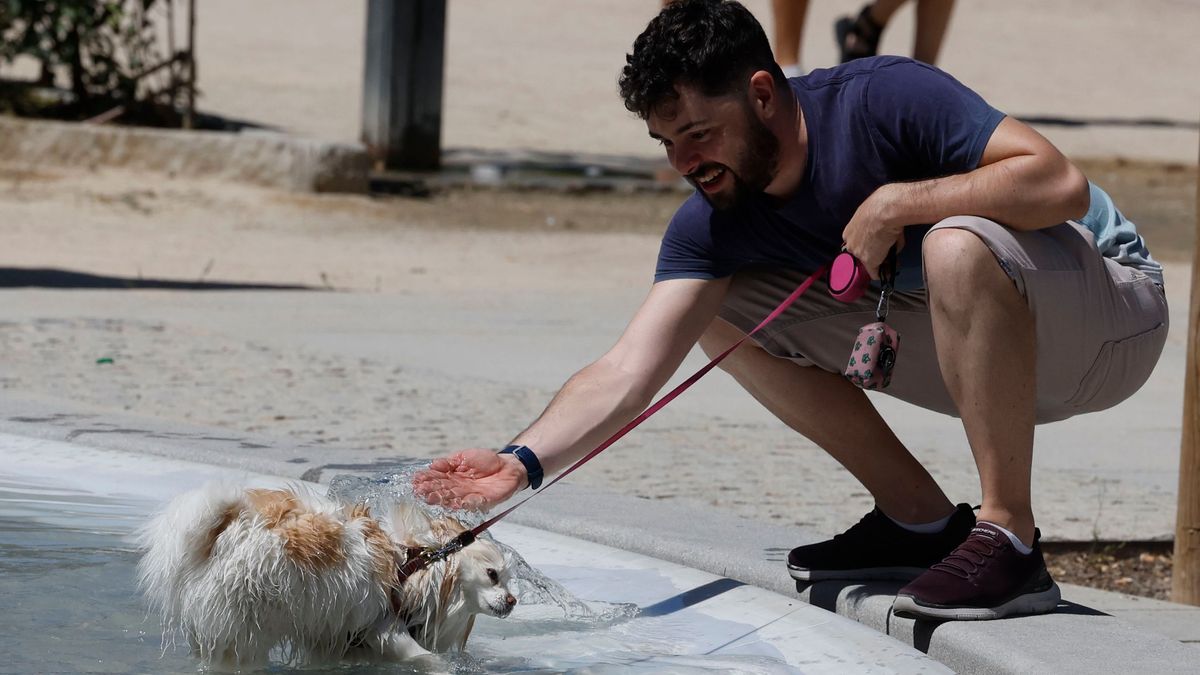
[434, 349]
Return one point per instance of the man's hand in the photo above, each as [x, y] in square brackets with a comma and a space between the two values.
[872, 232]
[474, 479]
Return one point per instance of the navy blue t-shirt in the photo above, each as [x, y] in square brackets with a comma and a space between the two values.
[870, 122]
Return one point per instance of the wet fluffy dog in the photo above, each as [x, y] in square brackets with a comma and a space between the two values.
[240, 571]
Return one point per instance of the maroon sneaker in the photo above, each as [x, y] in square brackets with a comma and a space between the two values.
[984, 578]
[878, 548]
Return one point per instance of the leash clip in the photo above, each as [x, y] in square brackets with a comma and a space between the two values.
[887, 282]
[463, 540]
[419, 559]
[885, 295]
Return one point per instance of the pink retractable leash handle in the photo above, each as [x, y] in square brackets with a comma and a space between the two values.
[848, 277]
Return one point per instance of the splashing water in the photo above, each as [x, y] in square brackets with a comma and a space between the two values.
[531, 586]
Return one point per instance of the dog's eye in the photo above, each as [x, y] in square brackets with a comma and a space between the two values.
[493, 576]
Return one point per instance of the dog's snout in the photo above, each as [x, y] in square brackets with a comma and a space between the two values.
[510, 599]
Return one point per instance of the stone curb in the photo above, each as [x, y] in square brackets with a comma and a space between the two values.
[1075, 639]
[264, 158]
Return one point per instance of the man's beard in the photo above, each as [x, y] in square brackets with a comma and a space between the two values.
[757, 165]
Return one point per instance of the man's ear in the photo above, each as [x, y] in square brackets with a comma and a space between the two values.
[764, 97]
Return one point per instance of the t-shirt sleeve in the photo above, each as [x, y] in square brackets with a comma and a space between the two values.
[686, 251]
[928, 119]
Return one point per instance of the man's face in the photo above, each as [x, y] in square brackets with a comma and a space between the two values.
[718, 144]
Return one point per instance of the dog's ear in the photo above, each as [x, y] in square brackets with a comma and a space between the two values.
[410, 524]
[452, 569]
[446, 528]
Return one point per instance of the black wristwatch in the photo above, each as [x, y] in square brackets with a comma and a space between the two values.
[532, 466]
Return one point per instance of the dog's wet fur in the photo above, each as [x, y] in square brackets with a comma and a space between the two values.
[238, 572]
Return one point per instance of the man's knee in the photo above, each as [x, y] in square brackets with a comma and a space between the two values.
[951, 254]
[958, 263]
[961, 271]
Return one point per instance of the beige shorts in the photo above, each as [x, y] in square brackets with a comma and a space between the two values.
[1100, 326]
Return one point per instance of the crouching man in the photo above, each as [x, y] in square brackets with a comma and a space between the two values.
[1022, 296]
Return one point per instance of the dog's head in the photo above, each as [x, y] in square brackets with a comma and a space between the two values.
[439, 601]
[484, 576]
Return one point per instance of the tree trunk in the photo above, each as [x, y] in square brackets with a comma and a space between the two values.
[1185, 578]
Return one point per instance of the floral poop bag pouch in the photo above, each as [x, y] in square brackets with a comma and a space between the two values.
[874, 354]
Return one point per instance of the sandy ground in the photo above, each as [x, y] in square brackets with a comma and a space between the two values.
[541, 74]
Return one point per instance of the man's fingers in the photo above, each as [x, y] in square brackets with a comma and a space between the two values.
[440, 465]
[440, 493]
[430, 496]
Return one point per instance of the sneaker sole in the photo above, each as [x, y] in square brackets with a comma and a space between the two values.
[1041, 602]
[865, 574]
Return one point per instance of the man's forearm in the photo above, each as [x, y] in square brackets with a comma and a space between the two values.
[591, 406]
[1024, 193]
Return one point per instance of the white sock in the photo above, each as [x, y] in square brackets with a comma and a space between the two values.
[924, 528]
[792, 70]
[1016, 542]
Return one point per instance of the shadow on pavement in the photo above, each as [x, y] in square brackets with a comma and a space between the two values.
[1052, 120]
[16, 277]
[691, 597]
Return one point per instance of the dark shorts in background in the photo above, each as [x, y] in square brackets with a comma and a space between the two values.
[1100, 326]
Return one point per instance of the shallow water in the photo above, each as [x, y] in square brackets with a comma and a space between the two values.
[68, 603]
[67, 584]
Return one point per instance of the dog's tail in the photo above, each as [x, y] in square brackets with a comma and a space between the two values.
[181, 538]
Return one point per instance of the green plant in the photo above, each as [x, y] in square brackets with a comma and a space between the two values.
[103, 45]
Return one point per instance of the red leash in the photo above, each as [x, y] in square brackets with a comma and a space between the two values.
[662, 402]
[417, 562]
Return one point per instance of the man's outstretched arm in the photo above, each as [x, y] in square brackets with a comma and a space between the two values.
[593, 404]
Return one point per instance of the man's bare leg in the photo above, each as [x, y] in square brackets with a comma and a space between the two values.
[788, 18]
[839, 418]
[929, 29]
[933, 17]
[986, 347]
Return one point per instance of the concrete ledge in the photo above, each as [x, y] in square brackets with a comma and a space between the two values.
[1171, 619]
[261, 158]
[1076, 639]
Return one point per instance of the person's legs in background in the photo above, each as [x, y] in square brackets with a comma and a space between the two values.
[858, 38]
[933, 18]
[789, 18]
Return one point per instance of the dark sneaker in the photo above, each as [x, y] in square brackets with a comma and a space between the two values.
[878, 548]
[984, 578]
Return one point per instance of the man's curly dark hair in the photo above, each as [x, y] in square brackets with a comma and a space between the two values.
[713, 45]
